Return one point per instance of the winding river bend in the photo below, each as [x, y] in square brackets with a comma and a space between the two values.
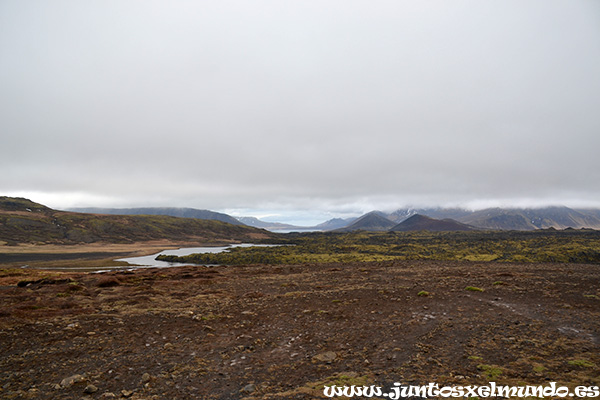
[150, 262]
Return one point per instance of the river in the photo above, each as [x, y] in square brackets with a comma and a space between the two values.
[150, 262]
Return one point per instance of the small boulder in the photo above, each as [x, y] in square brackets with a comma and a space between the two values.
[72, 380]
[327, 357]
[89, 389]
[249, 388]
[146, 377]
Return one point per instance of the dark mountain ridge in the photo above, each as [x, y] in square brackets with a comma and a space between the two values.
[373, 221]
[420, 222]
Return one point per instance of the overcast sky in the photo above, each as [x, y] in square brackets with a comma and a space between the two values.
[300, 110]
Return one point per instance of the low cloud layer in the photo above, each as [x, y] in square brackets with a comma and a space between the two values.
[337, 106]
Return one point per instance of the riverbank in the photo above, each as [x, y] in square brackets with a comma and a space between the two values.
[87, 257]
[282, 332]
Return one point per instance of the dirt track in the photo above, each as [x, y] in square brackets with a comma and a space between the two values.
[282, 332]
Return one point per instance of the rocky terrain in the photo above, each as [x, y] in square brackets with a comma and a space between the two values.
[285, 331]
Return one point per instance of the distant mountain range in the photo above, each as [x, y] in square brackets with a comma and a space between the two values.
[487, 219]
[329, 225]
[377, 221]
[512, 218]
[452, 219]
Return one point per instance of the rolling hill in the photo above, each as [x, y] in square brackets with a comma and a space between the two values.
[23, 221]
[170, 211]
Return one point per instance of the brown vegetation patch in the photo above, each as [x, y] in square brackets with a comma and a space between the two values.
[266, 332]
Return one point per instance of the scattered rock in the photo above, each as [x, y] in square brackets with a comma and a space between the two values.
[72, 380]
[249, 388]
[90, 389]
[328, 357]
[305, 342]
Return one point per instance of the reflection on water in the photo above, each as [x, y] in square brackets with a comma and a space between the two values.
[150, 262]
[299, 230]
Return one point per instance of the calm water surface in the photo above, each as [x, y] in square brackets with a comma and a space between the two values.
[150, 262]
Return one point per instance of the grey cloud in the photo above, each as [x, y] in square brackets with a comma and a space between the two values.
[301, 104]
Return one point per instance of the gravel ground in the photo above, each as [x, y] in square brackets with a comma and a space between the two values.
[283, 332]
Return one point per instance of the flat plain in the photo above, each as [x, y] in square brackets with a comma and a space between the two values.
[260, 331]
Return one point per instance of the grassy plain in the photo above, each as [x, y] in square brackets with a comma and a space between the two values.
[569, 246]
